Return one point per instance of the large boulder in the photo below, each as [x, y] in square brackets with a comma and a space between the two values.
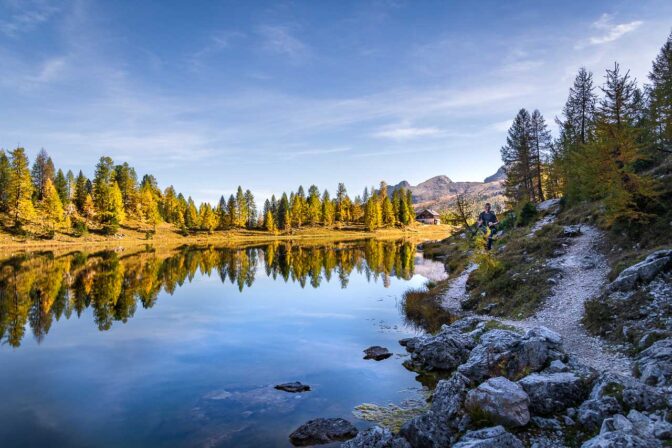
[629, 392]
[440, 426]
[644, 271]
[445, 351]
[554, 392]
[654, 365]
[376, 437]
[508, 354]
[495, 437]
[499, 401]
[323, 430]
[592, 412]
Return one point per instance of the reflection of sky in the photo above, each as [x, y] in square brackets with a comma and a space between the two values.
[196, 368]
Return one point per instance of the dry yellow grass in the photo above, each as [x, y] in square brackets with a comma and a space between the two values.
[167, 236]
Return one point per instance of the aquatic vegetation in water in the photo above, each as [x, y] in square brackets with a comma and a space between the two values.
[391, 416]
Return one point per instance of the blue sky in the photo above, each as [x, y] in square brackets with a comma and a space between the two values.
[270, 95]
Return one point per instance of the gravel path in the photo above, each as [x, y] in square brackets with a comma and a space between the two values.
[457, 291]
[583, 272]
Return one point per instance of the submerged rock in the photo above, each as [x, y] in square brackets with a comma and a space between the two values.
[445, 351]
[376, 437]
[294, 387]
[499, 401]
[377, 353]
[495, 437]
[654, 365]
[440, 426]
[323, 430]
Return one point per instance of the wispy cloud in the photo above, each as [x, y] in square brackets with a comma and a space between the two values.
[218, 41]
[26, 16]
[611, 31]
[281, 40]
[407, 133]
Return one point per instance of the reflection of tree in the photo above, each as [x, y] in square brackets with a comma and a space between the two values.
[36, 290]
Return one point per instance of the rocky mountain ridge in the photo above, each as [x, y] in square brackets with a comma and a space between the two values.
[439, 192]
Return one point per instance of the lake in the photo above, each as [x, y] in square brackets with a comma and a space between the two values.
[183, 348]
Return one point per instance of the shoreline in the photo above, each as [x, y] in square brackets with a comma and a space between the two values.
[166, 237]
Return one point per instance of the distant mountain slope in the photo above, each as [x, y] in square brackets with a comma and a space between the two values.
[439, 192]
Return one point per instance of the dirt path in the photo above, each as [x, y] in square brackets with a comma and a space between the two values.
[583, 272]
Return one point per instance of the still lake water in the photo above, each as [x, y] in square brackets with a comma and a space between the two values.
[183, 348]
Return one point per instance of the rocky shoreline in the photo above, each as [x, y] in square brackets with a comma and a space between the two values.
[515, 387]
[513, 390]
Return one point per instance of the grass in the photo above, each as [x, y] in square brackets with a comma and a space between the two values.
[422, 307]
[134, 234]
[512, 280]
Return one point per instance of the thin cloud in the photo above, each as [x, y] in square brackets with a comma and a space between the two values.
[280, 40]
[612, 31]
[407, 133]
[26, 17]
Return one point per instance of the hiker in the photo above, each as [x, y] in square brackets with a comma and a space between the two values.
[487, 220]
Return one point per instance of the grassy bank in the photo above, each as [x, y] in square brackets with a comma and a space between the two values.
[167, 236]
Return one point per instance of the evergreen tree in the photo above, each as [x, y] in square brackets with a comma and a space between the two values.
[608, 164]
[70, 182]
[61, 185]
[43, 170]
[81, 191]
[5, 174]
[540, 142]
[284, 218]
[242, 212]
[327, 210]
[127, 180]
[519, 160]
[221, 213]
[660, 99]
[251, 210]
[341, 205]
[20, 190]
[231, 212]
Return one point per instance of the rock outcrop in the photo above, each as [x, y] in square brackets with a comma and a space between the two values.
[323, 430]
[495, 437]
[500, 401]
[654, 365]
[644, 271]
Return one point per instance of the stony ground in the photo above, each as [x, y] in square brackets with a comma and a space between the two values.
[582, 273]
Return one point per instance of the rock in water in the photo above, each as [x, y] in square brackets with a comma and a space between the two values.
[445, 351]
[445, 419]
[495, 437]
[376, 437]
[501, 401]
[293, 387]
[323, 430]
[377, 353]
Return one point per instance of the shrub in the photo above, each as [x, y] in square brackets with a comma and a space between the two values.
[527, 214]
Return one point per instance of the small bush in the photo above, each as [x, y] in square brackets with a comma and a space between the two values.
[526, 215]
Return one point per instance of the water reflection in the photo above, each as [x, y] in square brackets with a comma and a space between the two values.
[38, 289]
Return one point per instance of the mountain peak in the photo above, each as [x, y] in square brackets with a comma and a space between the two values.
[499, 175]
